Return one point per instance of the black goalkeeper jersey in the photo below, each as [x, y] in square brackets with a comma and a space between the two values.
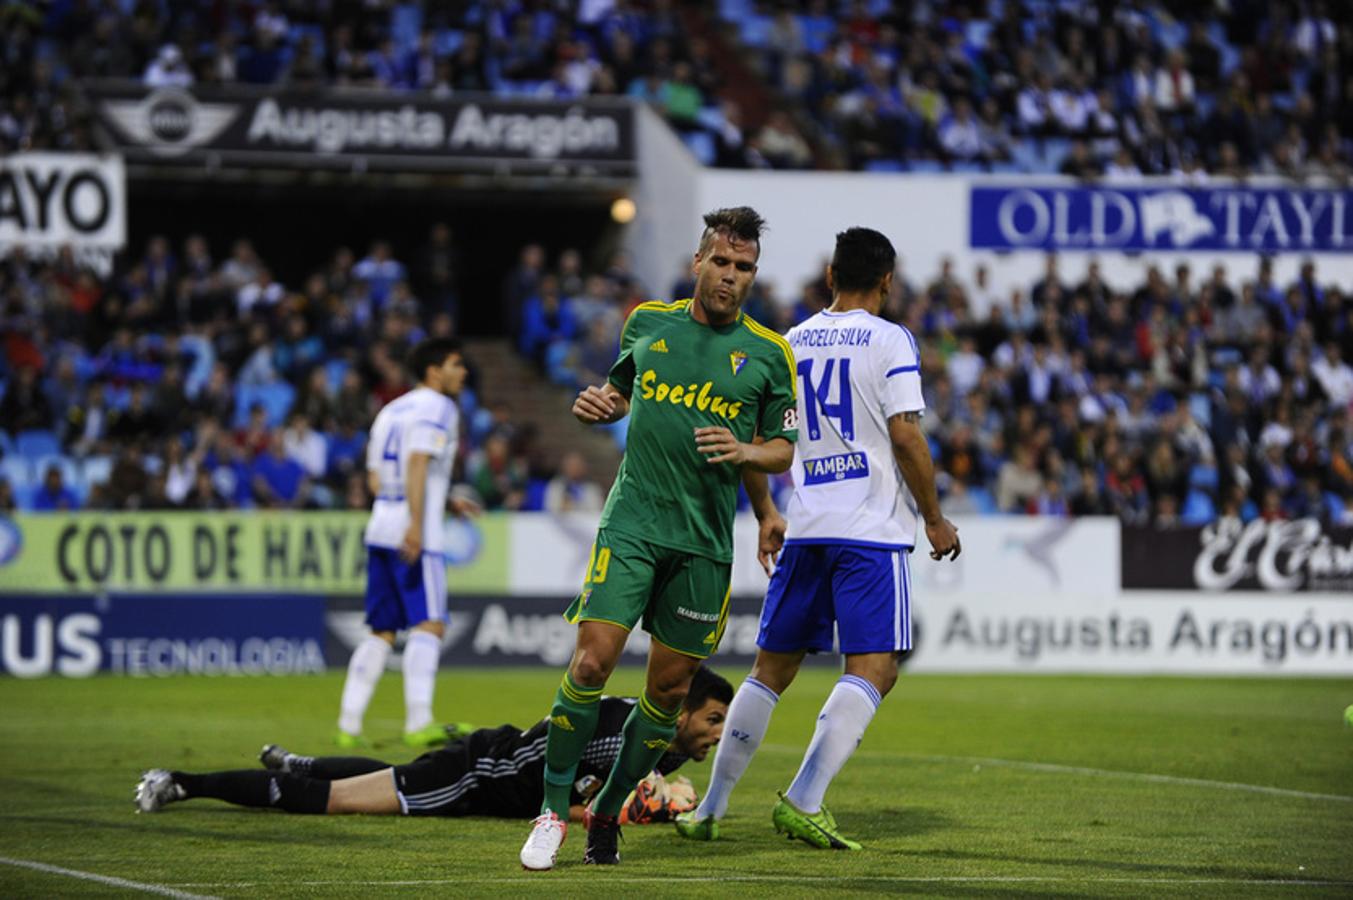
[501, 771]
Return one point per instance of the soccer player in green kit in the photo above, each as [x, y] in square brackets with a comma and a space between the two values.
[710, 394]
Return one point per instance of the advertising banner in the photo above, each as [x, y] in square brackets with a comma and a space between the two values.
[243, 126]
[58, 199]
[1274, 557]
[159, 635]
[1251, 220]
[295, 553]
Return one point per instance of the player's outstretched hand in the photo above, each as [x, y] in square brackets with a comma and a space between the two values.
[943, 540]
[770, 541]
[719, 445]
[593, 406]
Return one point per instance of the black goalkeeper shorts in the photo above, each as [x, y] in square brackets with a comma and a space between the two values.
[491, 772]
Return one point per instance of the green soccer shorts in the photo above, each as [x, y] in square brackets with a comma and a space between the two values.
[681, 598]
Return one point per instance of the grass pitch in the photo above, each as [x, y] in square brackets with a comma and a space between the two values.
[963, 787]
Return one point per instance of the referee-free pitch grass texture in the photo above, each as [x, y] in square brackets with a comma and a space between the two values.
[941, 793]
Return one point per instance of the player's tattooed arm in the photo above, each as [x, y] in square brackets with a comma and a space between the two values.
[912, 453]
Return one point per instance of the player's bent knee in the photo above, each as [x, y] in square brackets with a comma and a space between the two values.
[590, 669]
[432, 627]
[387, 636]
[776, 670]
[879, 669]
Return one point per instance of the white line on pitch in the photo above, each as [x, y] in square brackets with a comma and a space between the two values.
[1081, 770]
[102, 879]
[607, 878]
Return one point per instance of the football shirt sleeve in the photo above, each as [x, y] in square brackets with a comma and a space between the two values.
[779, 398]
[622, 370]
[902, 375]
[430, 432]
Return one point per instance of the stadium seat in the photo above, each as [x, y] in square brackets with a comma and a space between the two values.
[17, 471]
[735, 10]
[334, 370]
[885, 165]
[96, 470]
[1198, 509]
[925, 167]
[534, 501]
[755, 31]
[701, 143]
[1203, 477]
[406, 21]
[983, 500]
[1055, 152]
[35, 444]
[6, 442]
[276, 399]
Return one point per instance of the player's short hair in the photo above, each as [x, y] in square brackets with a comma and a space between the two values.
[706, 685]
[741, 223]
[431, 352]
[863, 257]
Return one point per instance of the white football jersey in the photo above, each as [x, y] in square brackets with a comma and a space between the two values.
[855, 371]
[421, 421]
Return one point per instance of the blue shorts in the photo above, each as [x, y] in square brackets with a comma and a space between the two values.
[864, 591]
[400, 595]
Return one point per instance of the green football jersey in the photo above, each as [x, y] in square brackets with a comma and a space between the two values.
[681, 375]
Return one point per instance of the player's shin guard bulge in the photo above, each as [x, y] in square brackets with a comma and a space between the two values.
[647, 734]
[573, 719]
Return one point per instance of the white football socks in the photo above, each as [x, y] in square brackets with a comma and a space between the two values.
[422, 653]
[364, 670]
[840, 726]
[748, 718]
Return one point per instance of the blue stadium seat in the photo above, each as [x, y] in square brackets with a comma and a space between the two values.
[334, 370]
[406, 21]
[6, 442]
[17, 471]
[1024, 154]
[275, 398]
[885, 165]
[96, 470]
[1055, 152]
[534, 501]
[755, 31]
[701, 143]
[1198, 509]
[1203, 477]
[35, 444]
[925, 167]
[735, 10]
[983, 500]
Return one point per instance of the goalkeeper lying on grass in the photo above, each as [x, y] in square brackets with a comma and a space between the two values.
[490, 772]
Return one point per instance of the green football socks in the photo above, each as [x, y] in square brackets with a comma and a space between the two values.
[648, 732]
[573, 719]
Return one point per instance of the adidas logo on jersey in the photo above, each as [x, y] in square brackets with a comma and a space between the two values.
[561, 721]
[659, 346]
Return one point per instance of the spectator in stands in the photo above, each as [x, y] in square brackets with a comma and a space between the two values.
[547, 323]
[24, 406]
[306, 446]
[168, 69]
[277, 480]
[380, 270]
[498, 475]
[570, 490]
[54, 495]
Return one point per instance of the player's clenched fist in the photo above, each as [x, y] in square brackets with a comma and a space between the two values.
[593, 406]
[943, 537]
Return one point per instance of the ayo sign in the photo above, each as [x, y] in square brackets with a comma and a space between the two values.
[54, 199]
[1167, 218]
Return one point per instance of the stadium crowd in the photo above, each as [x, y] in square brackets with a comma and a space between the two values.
[1096, 89]
[191, 381]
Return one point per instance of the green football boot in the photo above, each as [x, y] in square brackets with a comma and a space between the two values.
[351, 741]
[427, 736]
[688, 826]
[818, 829]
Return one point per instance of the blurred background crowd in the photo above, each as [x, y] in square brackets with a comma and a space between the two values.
[191, 378]
[1090, 88]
